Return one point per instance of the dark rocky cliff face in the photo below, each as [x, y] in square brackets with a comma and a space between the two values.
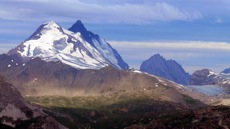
[168, 69]
[16, 112]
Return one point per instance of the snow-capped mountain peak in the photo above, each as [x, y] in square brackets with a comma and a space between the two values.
[51, 42]
[50, 28]
[51, 24]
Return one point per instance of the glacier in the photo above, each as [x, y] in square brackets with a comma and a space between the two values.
[207, 89]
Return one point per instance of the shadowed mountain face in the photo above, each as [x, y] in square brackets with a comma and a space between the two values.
[92, 38]
[168, 69]
[226, 71]
[15, 112]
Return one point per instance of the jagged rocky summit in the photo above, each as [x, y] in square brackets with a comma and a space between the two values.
[169, 69]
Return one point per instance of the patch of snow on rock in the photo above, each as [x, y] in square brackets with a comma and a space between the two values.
[211, 73]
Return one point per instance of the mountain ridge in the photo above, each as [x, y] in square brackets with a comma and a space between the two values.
[38, 77]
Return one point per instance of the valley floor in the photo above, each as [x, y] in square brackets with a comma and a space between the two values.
[115, 111]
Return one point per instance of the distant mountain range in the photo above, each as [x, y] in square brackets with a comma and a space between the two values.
[169, 69]
[208, 77]
[76, 47]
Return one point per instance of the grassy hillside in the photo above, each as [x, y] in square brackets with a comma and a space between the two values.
[114, 111]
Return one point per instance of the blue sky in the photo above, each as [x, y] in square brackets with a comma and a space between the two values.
[199, 28]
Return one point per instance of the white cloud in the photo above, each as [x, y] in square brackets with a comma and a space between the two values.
[92, 12]
[174, 45]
